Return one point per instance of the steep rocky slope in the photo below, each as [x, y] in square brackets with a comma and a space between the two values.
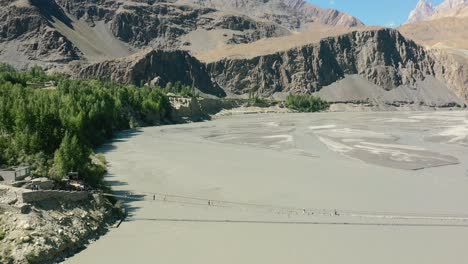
[382, 57]
[293, 14]
[21, 24]
[222, 47]
[278, 44]
[58, 31]
[153, 67]
[443, 30]
[48, 231]
[448, 32]
[452, 68]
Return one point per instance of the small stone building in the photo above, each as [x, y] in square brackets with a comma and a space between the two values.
[15, 174]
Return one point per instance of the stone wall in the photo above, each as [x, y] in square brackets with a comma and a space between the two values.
[38, 196]
[13, 195]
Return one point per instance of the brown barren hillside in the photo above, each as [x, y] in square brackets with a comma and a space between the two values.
[313, 34]
[440, 32]
[293, 14]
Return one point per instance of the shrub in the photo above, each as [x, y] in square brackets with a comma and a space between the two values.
[306, 103]
[258, 101]
[2, 234]
[101, 158]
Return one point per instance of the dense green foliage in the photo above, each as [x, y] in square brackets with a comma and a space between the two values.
[55, 128]
[306, 103]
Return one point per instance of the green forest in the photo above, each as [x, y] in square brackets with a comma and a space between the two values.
[52, 122]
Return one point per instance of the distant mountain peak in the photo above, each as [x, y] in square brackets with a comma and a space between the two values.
[450, 4]
[424, 10]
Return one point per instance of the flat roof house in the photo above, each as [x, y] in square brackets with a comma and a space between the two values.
[15, 174]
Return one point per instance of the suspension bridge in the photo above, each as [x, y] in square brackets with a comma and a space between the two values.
[353, 217]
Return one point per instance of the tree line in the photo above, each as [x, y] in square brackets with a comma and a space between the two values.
[53, 122]
[55, 128]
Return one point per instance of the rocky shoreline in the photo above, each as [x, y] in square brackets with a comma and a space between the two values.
[193, 110]
[50, 230]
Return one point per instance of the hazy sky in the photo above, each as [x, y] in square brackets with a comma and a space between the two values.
[374, 12]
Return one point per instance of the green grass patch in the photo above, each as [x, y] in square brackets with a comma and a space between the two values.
[306, 103]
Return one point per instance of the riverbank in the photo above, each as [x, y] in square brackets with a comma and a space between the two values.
[188, 109]
[47, 228]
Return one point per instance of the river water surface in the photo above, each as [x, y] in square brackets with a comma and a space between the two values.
[292, 188]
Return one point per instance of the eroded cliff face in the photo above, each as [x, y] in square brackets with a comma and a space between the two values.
[161, 26]
[58, 31]
[383, 57]
[24, 32]
[153, 67]
[451, 67]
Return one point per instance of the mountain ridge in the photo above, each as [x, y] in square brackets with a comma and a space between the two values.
[223, 51]
[283, 11]
[425, 10]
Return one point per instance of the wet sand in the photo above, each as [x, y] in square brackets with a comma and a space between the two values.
[292, 188]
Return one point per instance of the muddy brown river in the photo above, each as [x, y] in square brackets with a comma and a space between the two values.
[388, 187]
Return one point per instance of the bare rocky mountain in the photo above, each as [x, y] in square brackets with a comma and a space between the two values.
[373, 64]
[383, 57]
[443, 31]
[293, 14]
[443, 27]
[229, 48]
[423, 10]
[378, 62]
[426, 11]
[153, 67]
[51, 31]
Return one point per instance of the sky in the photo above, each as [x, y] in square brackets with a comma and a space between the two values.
[390, 13]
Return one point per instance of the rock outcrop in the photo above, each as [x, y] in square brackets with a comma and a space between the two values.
[384, 57]
[24, 32]
[442, 30]
[48, 231]
[148, 65]
[452, 68]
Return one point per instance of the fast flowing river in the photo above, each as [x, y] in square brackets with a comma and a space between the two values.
[292, 188]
